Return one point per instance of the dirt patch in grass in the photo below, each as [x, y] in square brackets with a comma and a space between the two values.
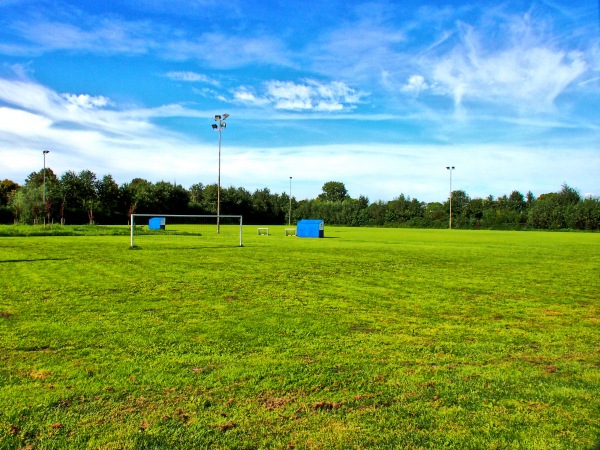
[273, 403]
[325, 406]
[225, 426]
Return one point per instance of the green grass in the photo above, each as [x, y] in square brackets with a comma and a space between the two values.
[60, 230]
[384, 338]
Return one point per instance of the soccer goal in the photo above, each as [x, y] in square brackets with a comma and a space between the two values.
[185, 230]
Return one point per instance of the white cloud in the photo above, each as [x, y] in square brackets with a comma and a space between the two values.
[515, 62]
[17, 122]
[521, 75]
[191, 77]
[227, 52]
[109, 35]
[126, 144]
[474, 55]
[86, 101]
[100, 35]
[383, 172]
[415, 84]
[309, 95]
[360, 49]
[247, 96]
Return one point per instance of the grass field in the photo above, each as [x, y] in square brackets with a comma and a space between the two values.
[381, 338]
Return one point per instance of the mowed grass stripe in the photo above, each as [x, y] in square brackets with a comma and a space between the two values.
[369, 337]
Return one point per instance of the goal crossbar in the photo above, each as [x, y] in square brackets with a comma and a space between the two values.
[183, 216]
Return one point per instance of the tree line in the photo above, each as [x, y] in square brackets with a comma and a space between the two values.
[83, 198]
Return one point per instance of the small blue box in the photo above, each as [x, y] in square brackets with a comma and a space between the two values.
[156, 223]
[313, 228]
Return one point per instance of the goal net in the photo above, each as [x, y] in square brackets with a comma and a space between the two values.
[185, 230]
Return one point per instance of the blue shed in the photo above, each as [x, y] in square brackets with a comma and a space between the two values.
[313, 228]
[156, 223]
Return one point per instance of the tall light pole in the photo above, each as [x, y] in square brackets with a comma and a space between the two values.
[450, 168]
[45, 152]
[290, 216]
[220, 127]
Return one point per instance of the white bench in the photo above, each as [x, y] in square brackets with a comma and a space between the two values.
[264, 231]
[290, 232]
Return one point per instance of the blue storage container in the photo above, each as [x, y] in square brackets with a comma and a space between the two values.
[156, 223]
[313, 228]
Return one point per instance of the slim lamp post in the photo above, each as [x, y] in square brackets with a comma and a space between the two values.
[45, 152]
[290, 216]
[220, 127]
[450, 168]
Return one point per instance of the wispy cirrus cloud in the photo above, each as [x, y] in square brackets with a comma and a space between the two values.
[526, 70]
[191, 77]
[308, 95]
[97, 35]
[68, 110]
[471, 55]
[38, 33]
[223, 51]
[522, 74]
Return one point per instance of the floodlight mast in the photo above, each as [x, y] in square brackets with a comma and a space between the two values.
[290, 216]
[450, 168]
[220, 119]
[45, 152]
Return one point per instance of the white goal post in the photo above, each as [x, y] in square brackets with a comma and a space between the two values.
[211, 228]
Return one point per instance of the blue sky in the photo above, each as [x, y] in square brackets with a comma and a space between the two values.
[380, 95]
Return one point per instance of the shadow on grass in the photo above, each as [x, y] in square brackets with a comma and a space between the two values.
[204, 247]
[31, 260]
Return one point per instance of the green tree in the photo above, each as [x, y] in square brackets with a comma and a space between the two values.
[460, 202]
[333, 191]
[79, 196]
[556, 210]
[108, 199]
[236, 201]
[209, 198]
[529, 198]
[196, 193]
[138, 193]
[568, 195]
[263, 207]
[586, 215]
[547, 212]
[68, 197]
[167, 198]
[377, 213]
[7, 187]
[47, 183]
[516, 202]
[88, 185]
[26, 203]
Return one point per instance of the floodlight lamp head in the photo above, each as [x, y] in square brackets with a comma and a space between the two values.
[46, 151]
[223, 125]
[217, 117]
[225, 116]
[215, 127]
